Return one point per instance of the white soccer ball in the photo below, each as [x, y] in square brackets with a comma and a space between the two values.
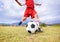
[31, 27]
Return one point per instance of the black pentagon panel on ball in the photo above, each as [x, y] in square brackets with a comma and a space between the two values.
[32, 26]
[29, 31]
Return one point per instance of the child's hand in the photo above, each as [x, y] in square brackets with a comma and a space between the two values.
[15, 0]
[38, 4]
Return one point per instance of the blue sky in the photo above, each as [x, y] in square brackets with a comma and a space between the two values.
[11, 12]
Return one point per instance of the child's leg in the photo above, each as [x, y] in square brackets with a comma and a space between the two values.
[37, 21]
[23, 19]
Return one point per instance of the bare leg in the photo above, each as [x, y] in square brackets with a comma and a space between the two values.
[36, 16]
[23, 19]
[37, 20]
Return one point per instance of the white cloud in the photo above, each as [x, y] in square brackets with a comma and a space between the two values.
[12, 8]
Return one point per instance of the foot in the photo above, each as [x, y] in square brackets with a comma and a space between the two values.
[20, 23]
[39, 30]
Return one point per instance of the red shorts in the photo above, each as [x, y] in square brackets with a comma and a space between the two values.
[30, 12]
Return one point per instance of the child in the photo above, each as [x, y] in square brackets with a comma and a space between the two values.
[30, 11]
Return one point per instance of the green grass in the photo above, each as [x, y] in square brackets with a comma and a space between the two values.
[19, 34]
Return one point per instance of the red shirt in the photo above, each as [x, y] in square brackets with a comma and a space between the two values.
[30, 3]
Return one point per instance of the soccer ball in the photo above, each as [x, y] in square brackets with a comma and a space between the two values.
[31, 27]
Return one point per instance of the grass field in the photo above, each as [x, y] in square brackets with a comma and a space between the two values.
[19, 34]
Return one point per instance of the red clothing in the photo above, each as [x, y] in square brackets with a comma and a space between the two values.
[30, 3]
[30, 11]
